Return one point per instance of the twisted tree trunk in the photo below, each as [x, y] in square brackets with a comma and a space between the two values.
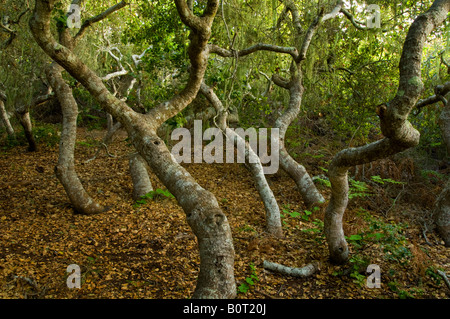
[4, 116]
[294, 85]
[65, 168]
[22, 113]
[441, 212]
[208, 222]
[398, 131]
[273, 219]
[296, 171]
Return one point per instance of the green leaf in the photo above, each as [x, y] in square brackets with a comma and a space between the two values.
[354, 237]
[294, 214]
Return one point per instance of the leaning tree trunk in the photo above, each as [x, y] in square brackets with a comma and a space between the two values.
[203, 213]
[23, 115]
[441, 212]
[294, 85]
[65, 169]
[273, 219]
[398, 131]
[139, 175]
[4, 116]
[296, 171]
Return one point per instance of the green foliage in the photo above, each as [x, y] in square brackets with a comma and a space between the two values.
[403, 293]
[318, 229]
[323, 181]
[359, 265]
[431, 176]
[434, 275]
[59, 16]
[152, 195]
[177, 121]
[156, 25]
[293, 214]
[247, 228]
[380, 180]
[44, 134]
[250, 281]
[388, 235]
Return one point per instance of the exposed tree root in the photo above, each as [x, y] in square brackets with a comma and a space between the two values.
[305, 271]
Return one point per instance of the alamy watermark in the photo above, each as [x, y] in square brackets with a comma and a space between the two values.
[213, 152]
[372, 281]
[374, 19]
[74, 17]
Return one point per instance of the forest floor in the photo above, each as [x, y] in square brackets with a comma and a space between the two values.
[147, 250]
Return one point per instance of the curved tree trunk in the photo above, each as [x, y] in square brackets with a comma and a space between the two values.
[139, 175]
[399, 133]
[5, 118]
[204, 216]
[203, 213]
[65, 169]
[273, 219]
[23, 115]
[441, 214]
[296, 171]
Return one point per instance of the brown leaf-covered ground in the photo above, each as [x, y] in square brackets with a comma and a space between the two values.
[149, 251]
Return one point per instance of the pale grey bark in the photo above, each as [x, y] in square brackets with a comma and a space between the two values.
[4, 116]
[296, 171]
[444, 121]
[139, 176]
[305, 271]
[399, 133]
[273, 219]
[441, 211]
[65, 168]
[203, 213]
[22, 113]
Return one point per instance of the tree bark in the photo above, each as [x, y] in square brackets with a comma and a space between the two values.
[65, 168]
[444, 124]
[273, 219]
[296, 171]
[139, 175]
[208, 222]
[399, 133]
[305, 271]
[23, 115]
[4, 117]
[441, 212]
